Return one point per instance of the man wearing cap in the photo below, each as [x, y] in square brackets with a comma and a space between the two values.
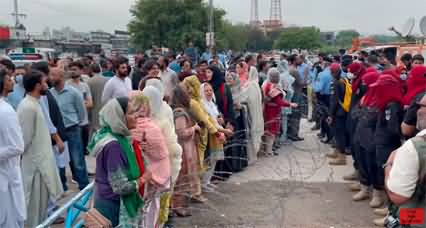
[337, 116]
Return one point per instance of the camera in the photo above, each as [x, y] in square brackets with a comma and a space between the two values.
[392, 222]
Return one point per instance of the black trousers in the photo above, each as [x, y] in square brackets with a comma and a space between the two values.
[323, 105]
[382, 155]
[365, 157]
[295, 116]
[351, 128]
[370, 165]
[304, 102]
[339, 128]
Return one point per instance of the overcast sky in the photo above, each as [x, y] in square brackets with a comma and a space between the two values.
[367, 16]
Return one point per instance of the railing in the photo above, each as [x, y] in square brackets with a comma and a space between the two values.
[73, 209]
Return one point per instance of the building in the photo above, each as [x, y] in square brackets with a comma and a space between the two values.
[100, 37]
[120, 42]
[69, 34]
[329, 38]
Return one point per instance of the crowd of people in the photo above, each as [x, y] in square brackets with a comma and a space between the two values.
[373, 110]
[169, 129]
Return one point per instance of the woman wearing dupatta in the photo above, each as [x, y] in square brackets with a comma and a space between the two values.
[242, 70]
[159, 110]
[215, 148]
[235, 153]
[188, 181]
[252, 95]
[204, 120]
[154, 149]
[118, 175]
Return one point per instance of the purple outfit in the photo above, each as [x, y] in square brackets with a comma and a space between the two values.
[108, 162]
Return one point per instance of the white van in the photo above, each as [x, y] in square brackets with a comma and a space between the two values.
[23, 56]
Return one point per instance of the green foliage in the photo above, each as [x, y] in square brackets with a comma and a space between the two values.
[328, 49]
[299, 38]
[171, 23]
[344, 38]
[233, 37]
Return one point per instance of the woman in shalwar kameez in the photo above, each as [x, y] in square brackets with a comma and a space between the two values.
[252, 96]
[154, 149]
[188, 181]
[118, 175]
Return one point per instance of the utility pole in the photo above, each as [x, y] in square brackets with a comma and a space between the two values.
[16, 13]
[210, 34]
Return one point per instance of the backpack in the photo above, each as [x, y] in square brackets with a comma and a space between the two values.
[346, 104]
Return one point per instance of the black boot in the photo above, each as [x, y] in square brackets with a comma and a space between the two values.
[326, 140]
[295, 138]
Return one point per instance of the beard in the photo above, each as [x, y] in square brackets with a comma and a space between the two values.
[43, 92]
[122, 74]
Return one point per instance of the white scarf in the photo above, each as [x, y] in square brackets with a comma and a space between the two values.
[210, 106]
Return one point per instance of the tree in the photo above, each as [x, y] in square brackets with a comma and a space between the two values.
[299, 38]
[233, 37]
[344, 38]
[171, 23]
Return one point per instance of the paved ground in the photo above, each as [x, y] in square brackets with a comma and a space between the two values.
[295, 189]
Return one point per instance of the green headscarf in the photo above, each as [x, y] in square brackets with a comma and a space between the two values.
[114, 128]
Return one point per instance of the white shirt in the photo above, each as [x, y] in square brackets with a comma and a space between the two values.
[11, 148]
[116, 87]
[404, 174]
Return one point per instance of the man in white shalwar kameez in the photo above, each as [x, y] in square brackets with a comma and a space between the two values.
[12, 207]
[40, 174]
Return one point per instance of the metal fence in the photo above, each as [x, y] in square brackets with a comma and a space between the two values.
[73, 209]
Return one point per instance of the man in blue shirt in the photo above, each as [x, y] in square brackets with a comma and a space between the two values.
[322, 88]
[206, 56]
[192, 53]
[303, 70]
[71, 104]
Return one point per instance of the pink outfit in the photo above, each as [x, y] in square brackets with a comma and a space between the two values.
[157, 156]
[189, 174]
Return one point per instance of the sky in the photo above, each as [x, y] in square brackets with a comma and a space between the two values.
[366, 16]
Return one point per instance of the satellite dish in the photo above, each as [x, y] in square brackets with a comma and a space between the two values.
[408, 27]
[423, 25]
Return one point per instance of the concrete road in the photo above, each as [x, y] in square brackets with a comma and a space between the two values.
[295, 189]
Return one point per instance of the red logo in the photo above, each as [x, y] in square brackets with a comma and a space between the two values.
[412, 216]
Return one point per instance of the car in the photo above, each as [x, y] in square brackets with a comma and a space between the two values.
[24, 56]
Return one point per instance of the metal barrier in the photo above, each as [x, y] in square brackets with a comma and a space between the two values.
[73, 209]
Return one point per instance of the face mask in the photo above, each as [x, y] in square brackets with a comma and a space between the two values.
[403, 77]
[19, 79]
[350, 76]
